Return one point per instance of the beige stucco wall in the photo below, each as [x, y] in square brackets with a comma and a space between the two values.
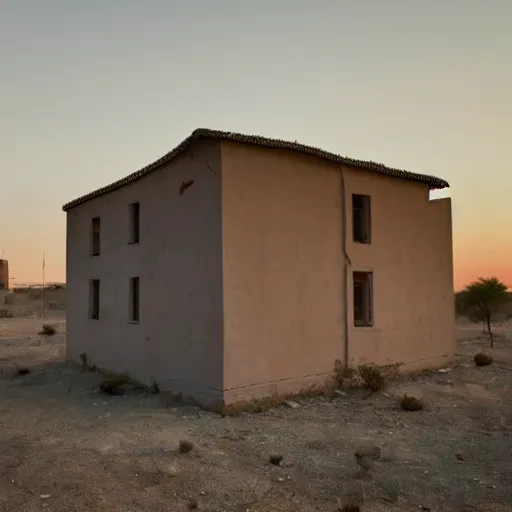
[178, 341]
[283, 271]
[411, 259]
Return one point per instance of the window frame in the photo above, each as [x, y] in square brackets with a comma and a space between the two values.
[362, 219]
[363, 279]
[94, 299]
[134, 301]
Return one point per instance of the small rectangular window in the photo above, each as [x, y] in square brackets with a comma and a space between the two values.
[134, 223]
[134, 300]
[95, 236]
[363, 299]
[361, 218]
[94, 299]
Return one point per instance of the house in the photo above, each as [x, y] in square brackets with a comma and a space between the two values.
[239, 266]
[4, 275]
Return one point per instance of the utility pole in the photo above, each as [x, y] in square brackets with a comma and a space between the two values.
[44, 297]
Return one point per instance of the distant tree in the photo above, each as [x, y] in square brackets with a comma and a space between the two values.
[482, 299]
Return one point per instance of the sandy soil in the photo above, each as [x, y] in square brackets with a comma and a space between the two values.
[66, 447]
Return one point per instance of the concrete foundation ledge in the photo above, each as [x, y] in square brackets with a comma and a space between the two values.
[175, 390]
[281, 388]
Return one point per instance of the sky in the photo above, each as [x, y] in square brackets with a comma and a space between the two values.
[92, 91]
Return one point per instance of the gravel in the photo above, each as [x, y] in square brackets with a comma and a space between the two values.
[65, 447]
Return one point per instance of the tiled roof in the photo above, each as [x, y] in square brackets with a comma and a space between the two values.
[203, 133]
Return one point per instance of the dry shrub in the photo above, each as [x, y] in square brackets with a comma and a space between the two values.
[264, 404]
[483, 359]
[48, 330]
[391, 371]
[5, 313]
[411, 403]
[371, 376]
[114, 384]
[345, 376]
[257, 405]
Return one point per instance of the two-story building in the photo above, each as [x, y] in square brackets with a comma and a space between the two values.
[238, 266]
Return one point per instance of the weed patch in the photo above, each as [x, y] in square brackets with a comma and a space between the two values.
[371, 376]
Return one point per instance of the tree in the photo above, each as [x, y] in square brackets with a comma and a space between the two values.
[482, 299]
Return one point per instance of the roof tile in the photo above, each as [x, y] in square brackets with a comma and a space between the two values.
[203, 133]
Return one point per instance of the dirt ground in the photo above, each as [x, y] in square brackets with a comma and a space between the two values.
[66, 447]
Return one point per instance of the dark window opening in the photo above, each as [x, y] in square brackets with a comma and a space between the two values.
[94, 299]
[134, 223]
[134, 299]
[361, 218]
[95, 236]
[363, 299]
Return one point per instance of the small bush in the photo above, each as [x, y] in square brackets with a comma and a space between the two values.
[5, 313]
[483, 359]
[372, 376]
[344, 375]
[114, 385]
[391, 371]
[411, 403]
[48, 330]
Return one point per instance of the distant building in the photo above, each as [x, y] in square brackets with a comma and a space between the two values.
[4, 275]
[236, 267]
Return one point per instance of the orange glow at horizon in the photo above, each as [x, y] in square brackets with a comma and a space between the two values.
[469, 265]
[466, 274]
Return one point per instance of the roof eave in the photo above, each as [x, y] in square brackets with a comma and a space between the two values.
[204, 133]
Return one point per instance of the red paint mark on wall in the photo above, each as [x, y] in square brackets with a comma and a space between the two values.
[185, 185]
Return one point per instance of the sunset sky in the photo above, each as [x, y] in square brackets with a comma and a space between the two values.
[91, 91]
